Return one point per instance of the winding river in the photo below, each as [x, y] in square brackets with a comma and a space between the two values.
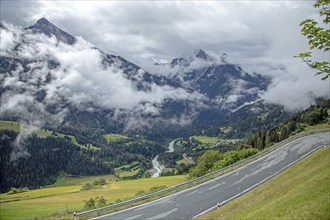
[157, 167]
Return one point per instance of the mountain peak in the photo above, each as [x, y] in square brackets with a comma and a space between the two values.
[198, 55]
[2, 26]
[49, 29]
[43, 21]
[202, 54]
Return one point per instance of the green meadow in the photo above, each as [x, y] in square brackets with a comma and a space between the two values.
[41, 133]
[206, 140]
[114, 137]
[128, 170]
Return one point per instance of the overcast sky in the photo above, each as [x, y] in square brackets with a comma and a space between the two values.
[167, 29]
[262, 36]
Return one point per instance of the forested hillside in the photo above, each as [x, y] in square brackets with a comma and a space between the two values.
[315, 117]
[312, 116]
[38, 161]
[249, 119]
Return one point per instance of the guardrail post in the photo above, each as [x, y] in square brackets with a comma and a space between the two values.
[74, 216]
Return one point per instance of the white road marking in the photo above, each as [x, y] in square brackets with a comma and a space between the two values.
[215, 186]
[201, 192]
[133, 217]
[163, 215]
[195, 191]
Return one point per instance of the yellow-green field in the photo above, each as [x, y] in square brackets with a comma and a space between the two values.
[300, 192]
[211, 142]
[128, 170]
[322, 125]
[114, 137]
[56, 201]
[73, 181]
[9, 125]
[226, 129]
[206, 140]
[183, 161]
[15, 126]
[325, 124]
[41, 133]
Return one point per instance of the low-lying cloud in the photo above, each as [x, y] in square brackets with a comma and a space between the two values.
[47, 74]
[78, 75]
[294, 85]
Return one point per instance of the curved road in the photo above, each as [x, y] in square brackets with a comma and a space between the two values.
[193, 201]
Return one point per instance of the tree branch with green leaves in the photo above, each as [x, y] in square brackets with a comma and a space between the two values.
[318, 38]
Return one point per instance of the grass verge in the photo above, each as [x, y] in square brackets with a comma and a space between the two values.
[300, 192]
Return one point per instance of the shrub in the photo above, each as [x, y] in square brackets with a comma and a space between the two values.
[101, 201]
[99, 182]
[89, 203]
[14, 190]
[87, 186]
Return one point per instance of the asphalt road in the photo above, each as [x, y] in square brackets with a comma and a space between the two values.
[191, 202]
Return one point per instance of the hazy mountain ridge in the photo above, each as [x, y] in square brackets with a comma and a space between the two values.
[213, 76]
[63, 79]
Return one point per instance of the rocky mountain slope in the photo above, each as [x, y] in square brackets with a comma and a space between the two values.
[52, 79]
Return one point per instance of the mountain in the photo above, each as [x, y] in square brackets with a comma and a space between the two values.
[47, 28]
[73, 87]
[213, 76]
[226, 86]
[130, 70]
[2, 26]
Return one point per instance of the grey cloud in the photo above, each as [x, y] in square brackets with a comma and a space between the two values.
[18, 12]
[80, 78]
[260, 35]
[167, 29]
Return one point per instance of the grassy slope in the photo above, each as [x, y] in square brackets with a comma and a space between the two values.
[184, 161]
[9, 125]
[41, 133]
[128, 170]
[114, 137]
[206, 140]
[301, 192]
[55, 200]
[322, 125]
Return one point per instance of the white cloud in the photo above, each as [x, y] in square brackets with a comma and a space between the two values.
[7, 41]
[80, 78]
[296, 87]
[260, 35]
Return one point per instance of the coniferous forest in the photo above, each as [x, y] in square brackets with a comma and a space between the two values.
[42, 159]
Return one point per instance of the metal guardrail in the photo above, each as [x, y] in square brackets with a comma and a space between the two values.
[219, 205]
[199, 180]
